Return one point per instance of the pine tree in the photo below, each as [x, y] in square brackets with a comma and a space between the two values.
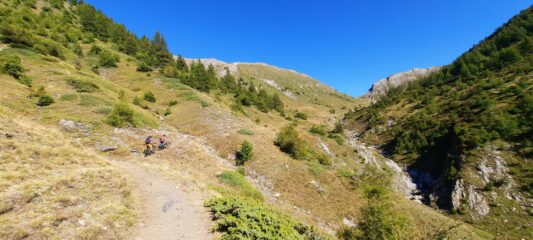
[160, 49]
[181, 65]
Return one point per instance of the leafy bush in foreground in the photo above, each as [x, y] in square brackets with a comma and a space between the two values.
[239, 218]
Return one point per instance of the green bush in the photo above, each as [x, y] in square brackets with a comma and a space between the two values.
[300, 115]
[149, 96]
[44, 100]
[245, 154]
[318, 129]
[143, 67]
[172, 102]
[108, 59]
[339, 128]
[26, 80]
[238, 218]
[82, 86]
[121, 115]
[12, 66]
[289, 142]
[167, 112]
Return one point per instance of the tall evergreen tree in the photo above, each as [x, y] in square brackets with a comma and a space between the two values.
[181, 65]
[160, 49]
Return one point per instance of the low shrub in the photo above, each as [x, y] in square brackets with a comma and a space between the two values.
[26, 80]
[143, 67]
[318, 129]
[245, 154]
[167, 112]
[300, 115]
[108, 59]
[289, 142]
[339, 128]
[44, 100]
[172, 103]
[149, 96]
[238, 218]
[124, 115]
[82, 86]
[139, 102]
[12, 66]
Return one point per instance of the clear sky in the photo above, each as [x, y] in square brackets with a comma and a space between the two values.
[347, 44]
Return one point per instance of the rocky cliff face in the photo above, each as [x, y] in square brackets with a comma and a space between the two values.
[382, 86]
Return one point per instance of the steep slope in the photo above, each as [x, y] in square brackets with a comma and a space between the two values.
[54, 187]
[381, 87]
[465, 131]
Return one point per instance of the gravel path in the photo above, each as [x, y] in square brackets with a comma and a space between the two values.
[167, 213]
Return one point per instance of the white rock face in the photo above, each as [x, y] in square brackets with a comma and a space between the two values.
[474, 200]
[382, 86]
[275, 85]
[401, 182]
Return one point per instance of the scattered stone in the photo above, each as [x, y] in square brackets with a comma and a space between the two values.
[9, 135]
[348, 222]
[70, 125]
[107, 149]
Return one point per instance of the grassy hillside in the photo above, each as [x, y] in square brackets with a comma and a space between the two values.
[446, 125]
[54, 187]
[65, 60]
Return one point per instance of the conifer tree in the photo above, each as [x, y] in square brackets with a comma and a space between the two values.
[160, 49]
[181, 65]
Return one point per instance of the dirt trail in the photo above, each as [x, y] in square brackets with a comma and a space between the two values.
[167, 212]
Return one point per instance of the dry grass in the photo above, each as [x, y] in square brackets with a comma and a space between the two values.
[313, 193]
[51, 187]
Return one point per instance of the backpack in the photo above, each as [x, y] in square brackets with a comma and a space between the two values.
[148, 140]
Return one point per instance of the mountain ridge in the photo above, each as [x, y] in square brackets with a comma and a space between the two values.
[380, 87]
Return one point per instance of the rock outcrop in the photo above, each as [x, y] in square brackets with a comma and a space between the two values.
[382, 86]
[464, 195]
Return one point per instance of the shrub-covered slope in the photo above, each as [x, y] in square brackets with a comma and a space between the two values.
[467, 122]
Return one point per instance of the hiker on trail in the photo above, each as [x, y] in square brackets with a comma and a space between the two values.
[148, 143]
[162, 139]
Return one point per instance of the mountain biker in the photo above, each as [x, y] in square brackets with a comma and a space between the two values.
[162, 141]
[148, 142]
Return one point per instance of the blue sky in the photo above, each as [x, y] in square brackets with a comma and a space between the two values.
[347, 44]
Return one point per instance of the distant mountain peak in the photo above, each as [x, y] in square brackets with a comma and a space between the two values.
[382, 86]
